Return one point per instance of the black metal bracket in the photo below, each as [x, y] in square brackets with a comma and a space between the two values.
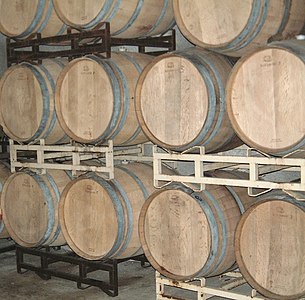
[79, 43]
[48, 256]
[7, 248]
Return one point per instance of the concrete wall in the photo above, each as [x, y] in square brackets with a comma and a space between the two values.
[2, 54]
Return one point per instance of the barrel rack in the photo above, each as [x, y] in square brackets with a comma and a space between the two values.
[75, 44]
[49, 256]
[7, 247]
[255, 162]
[42, 157]
[204, 289]
[71, 157]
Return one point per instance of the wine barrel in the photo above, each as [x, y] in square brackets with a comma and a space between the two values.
[270, 243]
[30, 207]
[180, 101]
[4, 174]
[129, 19]
[95, 98]
[185, 234]
[99, 218]
[21, 18]
[265, 95]
[236, 27]
[27, 106]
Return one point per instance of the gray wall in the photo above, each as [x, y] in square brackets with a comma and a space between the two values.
[2, 54]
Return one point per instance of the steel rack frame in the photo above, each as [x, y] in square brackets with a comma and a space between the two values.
[79, 43]
[49, 257]
[255, 162]
[7, 248]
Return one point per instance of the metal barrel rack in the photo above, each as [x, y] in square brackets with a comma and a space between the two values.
[7, 248]
[41, 157]
[254, 162]
[49, 256]
[204, 289]
[79, 43]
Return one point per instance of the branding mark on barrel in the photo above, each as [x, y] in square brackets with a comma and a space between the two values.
[19, 6]
[86, 71]
[90, 189]
[26, 183]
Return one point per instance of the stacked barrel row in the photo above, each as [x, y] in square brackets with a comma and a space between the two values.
[260, 99]
[89, 100]
[179, 100]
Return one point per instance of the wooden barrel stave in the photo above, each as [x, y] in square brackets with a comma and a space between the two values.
[29, 202]
[40, 17]
[27, 92]
[186, 234]
[4, 174]
[129, 19]
[113, 207]
[269, 246]
[109, 85]
[163, 112]
[238, 32]
[246, 102]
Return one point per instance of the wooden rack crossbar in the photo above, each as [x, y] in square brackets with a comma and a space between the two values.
[202, 289]
[255, 165]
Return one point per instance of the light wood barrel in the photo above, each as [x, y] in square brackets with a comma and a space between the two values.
[99, 218]
[265, 96]
[27, 105]
[270, 243]
[30, 207]
[4, 174]
[185, 234]
[236, 27]
[95, 98]
[128, 19]
[21, 18]
[180, 101]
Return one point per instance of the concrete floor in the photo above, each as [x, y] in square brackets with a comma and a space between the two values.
[135, 283]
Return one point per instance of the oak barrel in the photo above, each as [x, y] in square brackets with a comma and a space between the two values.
[27, 107]
[22, 18]
[95, 98]
[265, 96]
[270, 243]
[4, 174]
[235, 27]
[30, 207]
[99, 218]
[185, 234]
[180, 101]
[128, 18]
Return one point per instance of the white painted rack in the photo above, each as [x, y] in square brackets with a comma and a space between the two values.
[205, 290]
[254, 162]
[71, 157]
